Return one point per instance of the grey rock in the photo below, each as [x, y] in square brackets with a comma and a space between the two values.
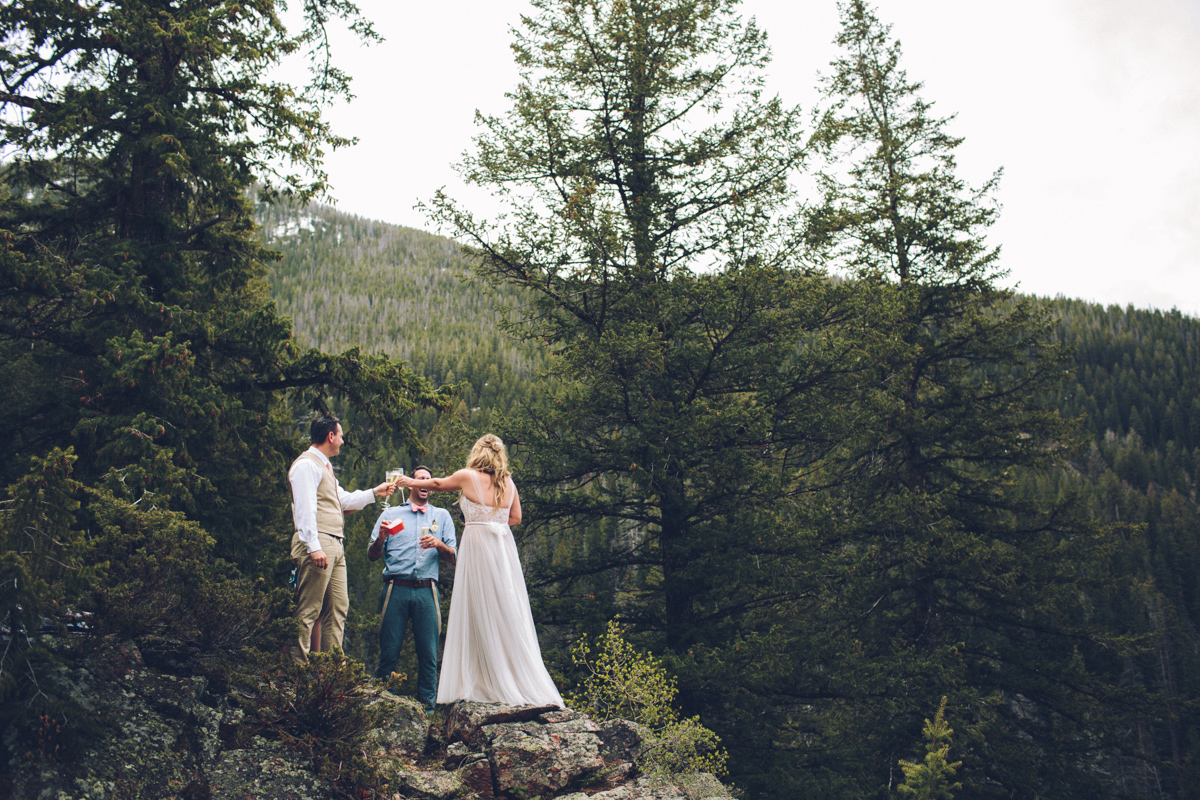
[542, 759]
[560, 715]
[162, 741]
[428, 784]
[700, 786]
[266, 769]
[167, 732]
[643, 789]
[405, 731]
[456, 755]
[160, 736]
[464, 720]
[622, 741]
[476, 777]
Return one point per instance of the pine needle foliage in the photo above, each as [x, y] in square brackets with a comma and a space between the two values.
[930, 779]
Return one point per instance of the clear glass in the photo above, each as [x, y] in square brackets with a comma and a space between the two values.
[394, 474]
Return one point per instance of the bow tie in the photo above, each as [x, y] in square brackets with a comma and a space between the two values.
[418, 509]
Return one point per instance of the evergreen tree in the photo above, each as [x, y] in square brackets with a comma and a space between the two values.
[135, 323]
[931, 778]
[961, 585]
[645, 174]
[143, 368]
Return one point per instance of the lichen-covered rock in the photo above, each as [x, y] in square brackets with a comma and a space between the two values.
[641, 789]
[465, 720]
[265, 769]
[476, 776]
[165, 734]
[699, 786]
[158, 733]
[541, 759]
[621, 742]
[160, 738]
[702, 786]
[405, 731]
[427, 784]
[456, 755]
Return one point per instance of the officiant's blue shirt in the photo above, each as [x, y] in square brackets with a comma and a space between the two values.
[402, 556]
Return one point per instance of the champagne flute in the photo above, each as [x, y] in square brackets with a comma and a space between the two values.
[394, 474]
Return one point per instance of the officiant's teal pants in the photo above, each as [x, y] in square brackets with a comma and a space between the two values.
[415, 604]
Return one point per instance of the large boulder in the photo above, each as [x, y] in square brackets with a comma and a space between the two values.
[465, 721]
[262, 769]
[542, 758]
[537, 751]
[406, 730]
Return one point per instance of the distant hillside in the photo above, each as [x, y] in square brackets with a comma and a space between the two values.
[351, 282]
[346, 281]
[1136, 384]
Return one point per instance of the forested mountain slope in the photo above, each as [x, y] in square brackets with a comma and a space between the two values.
[351, 282]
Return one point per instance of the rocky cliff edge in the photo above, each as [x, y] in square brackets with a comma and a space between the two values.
[169, 736]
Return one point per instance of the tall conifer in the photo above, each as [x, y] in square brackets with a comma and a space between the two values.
[143, 370]
[961, 584]
[644, 175]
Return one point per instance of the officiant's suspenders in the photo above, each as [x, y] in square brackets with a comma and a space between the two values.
[437, 606]
[383, 612]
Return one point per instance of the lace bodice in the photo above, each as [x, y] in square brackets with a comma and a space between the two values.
[475, 512]
[479, 513]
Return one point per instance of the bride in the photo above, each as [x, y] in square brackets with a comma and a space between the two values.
[492, 653]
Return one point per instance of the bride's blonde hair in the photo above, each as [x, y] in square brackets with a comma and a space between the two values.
[488, 455]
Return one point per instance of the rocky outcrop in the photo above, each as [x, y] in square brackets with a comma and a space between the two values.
[168, 736]
[539, 751]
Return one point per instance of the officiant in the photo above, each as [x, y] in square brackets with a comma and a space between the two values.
[411, 539]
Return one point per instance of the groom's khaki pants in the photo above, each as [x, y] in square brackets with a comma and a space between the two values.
[320, 593]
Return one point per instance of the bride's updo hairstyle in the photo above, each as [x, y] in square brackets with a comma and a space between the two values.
[488, 455]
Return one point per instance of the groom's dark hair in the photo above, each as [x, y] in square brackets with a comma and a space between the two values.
[321, 427]
[422, 466]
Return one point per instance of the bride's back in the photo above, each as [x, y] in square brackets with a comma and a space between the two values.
[480, 490]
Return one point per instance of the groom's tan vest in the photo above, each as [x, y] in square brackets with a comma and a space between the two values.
[330, 519]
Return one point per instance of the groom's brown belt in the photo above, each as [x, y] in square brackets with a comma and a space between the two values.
[409, 583]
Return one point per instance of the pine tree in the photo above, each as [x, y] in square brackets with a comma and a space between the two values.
[144, 367]
[931, 778]
[134, 320]
[645, 176]
[962, 585]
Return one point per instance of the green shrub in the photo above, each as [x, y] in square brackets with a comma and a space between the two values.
[323, 710]
[162, 579]
[623, 683]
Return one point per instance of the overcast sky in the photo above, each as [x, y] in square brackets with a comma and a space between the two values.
[1092, 107]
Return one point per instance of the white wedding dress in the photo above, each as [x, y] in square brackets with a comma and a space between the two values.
[492, 653]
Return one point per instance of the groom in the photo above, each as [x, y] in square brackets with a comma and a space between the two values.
[410, 538]
[319, 509]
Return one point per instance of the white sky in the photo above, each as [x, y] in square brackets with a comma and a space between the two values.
[1092, 107]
